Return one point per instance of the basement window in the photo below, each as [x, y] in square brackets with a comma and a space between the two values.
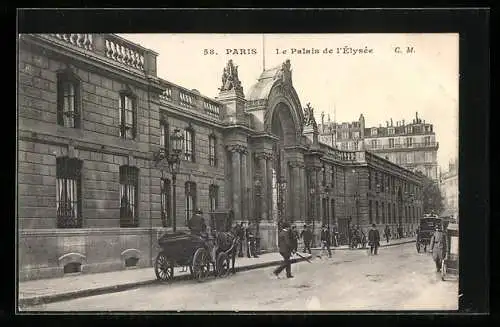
[72, 268]
[131, 262]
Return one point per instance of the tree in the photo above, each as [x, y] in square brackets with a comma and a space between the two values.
[432, 197]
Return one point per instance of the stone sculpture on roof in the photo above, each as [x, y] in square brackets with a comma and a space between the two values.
[309, 116]
[230, 78]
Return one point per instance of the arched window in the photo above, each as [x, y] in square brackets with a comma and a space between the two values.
[127, 117]
[68, 192]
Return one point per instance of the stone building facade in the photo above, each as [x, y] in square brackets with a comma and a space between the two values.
[92, 114]
[449, 189]
[412, 144]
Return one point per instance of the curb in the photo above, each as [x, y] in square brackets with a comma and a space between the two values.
[381, 246]
[45, 299]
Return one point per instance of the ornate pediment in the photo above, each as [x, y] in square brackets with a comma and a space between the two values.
[230, 78]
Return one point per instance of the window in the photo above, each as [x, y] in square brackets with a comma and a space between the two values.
[427, 140]
[189, 144]
[213, 194]
[374, 131]
[391, 143]
[370, 214]
[390, 131]
[409, 130]
[383, 213]
[355, 135]
[68, 100]
[164, 136]
[409, 142]
[190, 190]
[333, 176]
[377, 218]
[127, 119]
[166, 218]
[374, 144]
[409, 157]
[129, 178]
[323, 170]
[394, 212]
[344, 146]
[68, 192]
[356, 145]
[389, 217]
[345, 135]
[212, 154]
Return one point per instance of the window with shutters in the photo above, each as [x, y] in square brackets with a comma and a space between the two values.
[164, 135]
[212, 154]
[190, 192]
[68, 100]
[129, 181]
[68, 192]
[189, 143]
[213, 194]
[127, 116]
[166, 199]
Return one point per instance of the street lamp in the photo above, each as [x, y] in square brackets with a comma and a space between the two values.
[172, 157]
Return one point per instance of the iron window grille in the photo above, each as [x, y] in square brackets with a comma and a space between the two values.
[68, 192]
[212, 154]
[214, 197]
[127, 116]
[190, 191]
[68, 100]
[129, 177]
[189, 143]
[165, 188]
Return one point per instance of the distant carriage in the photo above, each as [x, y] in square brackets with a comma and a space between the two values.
[427, 226]
[192, 251]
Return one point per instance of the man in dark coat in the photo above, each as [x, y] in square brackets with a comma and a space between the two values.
[325, 241]
[240, 232]
[374, 239]
[335, 235]
[438, 247]
[295, 239]
[285, 248]
[250, 233]
[307, 236]
[197, 224]
[387, 233]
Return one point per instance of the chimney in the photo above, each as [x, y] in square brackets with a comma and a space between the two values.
[391, 122]
[387, 123]
[403, 122]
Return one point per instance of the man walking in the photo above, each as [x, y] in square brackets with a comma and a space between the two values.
[240, 232]
[285, 248]
[325, 241]
[295, 238]
[335, 235]
[387, 233]
[250, 237]
[306, 236]
[374, 240]
[438, 247]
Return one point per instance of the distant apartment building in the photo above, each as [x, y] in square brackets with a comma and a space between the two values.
[449, 189]
[411, 145]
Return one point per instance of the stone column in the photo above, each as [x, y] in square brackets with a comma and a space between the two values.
[243, 188]
[236, 174]
[269, 185]
[295, 187]
[261, 157]
[302, 188]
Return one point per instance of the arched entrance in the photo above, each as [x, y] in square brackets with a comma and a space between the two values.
[282, 126]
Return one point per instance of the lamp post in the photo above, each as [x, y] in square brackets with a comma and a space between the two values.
[171, 156]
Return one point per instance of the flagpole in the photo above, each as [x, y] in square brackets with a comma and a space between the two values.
[263, 53]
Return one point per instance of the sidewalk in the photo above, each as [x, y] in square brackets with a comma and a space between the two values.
[70, 287]
[383, 244]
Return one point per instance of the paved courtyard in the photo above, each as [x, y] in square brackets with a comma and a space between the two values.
[397, 279]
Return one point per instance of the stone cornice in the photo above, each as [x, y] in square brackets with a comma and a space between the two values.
[263, 155]
[237, 148]
[296, 164]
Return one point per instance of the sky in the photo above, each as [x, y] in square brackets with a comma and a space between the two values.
[381, 84]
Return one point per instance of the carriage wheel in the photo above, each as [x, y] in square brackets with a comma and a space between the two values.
[222, 265]
[201, 264]
[164, 268]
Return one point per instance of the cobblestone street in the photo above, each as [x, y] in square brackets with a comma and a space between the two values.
[397, 279]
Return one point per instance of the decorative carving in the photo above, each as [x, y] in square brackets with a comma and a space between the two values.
[230, 78]
[264, 156]
[296, 164]
[309, 116]
[285, 73]
[237, 148]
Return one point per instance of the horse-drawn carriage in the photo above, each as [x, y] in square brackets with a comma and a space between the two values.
[202, 255]
[426, 229]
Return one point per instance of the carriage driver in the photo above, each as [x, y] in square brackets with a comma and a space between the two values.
[198, 227]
